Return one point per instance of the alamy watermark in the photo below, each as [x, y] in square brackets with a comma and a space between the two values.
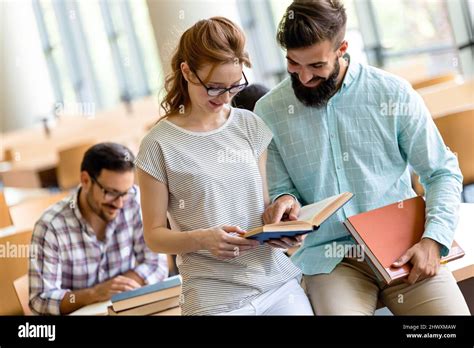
[394, 108]
[37, 331]
[229, 155]
[9, 250]
[338, 250]
[75, 109]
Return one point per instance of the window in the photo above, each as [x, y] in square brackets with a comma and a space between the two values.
[53, 51]
[99, 51]
[425, 39]
[428, 28]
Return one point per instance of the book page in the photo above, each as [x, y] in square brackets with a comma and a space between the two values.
[99, 308]
[309, 211]
[309, 214]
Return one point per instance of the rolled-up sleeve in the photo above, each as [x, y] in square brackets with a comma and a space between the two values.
[437, 167]
[45, 292]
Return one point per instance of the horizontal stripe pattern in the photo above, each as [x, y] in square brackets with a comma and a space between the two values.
[213, 179]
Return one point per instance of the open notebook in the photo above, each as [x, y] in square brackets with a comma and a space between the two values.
[310, 218]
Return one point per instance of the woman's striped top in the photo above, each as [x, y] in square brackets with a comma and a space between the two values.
[213, 179]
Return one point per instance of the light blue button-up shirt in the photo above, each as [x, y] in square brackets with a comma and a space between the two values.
[362, 141]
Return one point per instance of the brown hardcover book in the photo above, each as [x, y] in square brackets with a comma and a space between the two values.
[388, 232]
[172, 311]
[150, 308]
[110, 311]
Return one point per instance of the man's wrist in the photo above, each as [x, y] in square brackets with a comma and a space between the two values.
[285, 194]
[434, 242]
[132, 274]
[91, 294]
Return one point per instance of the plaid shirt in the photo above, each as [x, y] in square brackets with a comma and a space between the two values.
[68, 256]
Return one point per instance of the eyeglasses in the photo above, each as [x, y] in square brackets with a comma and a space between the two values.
[215, 92]
[110, 196]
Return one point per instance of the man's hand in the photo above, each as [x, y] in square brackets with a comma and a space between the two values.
[104, 291]
[285, 242]
[425, 258]
[131, 274]
[284, 208]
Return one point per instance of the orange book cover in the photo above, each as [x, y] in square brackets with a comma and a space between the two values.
[388, 232]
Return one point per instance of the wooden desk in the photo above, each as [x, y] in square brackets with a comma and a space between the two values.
[8, 231]
[33, 156]
[448, 97]
[416, 71]
[31, 173]
[25, 215]
[14, 196]
[145, 111]
[101, 308]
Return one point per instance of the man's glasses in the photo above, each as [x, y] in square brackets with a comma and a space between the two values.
[110, 196]
[215, 92]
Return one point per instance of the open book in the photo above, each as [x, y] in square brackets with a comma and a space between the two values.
[310, 218]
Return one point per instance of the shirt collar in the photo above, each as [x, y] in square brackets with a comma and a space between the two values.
[352, 71]
[74, 205]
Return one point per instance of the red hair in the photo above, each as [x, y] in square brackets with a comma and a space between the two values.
[215, 41]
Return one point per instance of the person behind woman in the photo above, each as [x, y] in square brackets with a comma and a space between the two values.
[204, 163]
[247, 98]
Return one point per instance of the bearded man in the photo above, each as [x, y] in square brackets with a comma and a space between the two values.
[90, 245]
[341, 126]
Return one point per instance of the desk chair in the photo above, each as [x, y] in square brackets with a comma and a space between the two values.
[434, 80]
[69, 165]
[21, 286]
[5, 218]
[457, 130]
[12, 267]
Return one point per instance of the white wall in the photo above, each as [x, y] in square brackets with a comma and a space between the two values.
[25, 88]
[170, 18]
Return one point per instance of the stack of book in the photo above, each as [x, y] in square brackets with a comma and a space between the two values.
[161, 298]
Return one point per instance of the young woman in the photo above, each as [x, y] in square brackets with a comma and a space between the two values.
[204, 164]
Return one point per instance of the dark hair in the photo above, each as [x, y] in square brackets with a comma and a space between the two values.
[308, 22]
[247, 98]
[111, 156]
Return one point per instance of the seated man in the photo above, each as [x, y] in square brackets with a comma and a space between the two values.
[90, 245]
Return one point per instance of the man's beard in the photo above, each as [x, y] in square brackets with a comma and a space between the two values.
[99, 212]
[316, 96]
